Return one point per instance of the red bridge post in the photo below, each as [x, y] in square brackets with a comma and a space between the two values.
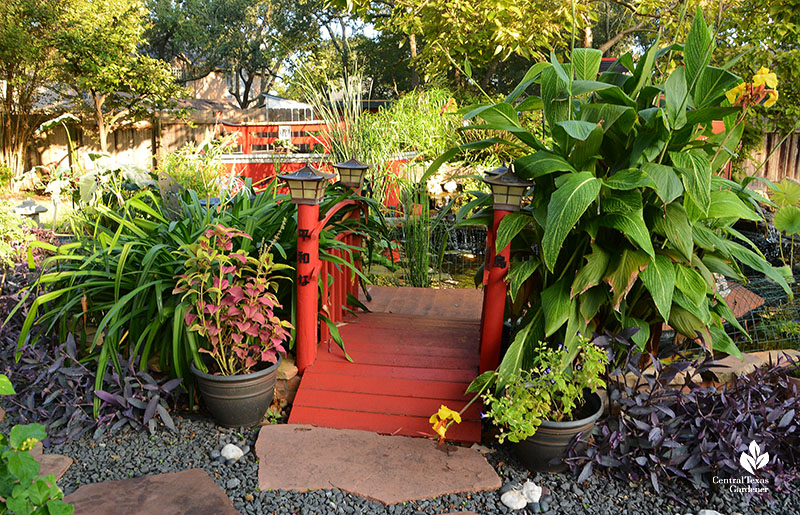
[308, 267]
[507, 193]
[494, 297]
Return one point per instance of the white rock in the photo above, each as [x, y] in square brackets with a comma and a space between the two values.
[514, 500]
[231, 452]
[708, 512]
[531, 491]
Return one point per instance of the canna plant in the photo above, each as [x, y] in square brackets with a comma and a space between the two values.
[627, 220]
[230, 301]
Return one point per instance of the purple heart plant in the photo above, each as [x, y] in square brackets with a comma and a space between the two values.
[231, 301]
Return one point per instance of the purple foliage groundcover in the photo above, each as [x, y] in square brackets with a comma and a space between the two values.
[56, 389]
[696, 432]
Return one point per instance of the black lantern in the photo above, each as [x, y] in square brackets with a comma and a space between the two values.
[307, 185]
[507, 188]
[351, 173]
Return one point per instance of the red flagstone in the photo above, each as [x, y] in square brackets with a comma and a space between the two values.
[190, 492]
[388, 469]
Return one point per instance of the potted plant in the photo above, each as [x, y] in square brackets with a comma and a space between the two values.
[230, 304]
[542, 408]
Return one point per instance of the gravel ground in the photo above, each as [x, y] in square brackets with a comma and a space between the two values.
[133, 454]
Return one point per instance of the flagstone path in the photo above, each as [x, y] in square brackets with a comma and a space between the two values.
[190, 492]
[388, 469]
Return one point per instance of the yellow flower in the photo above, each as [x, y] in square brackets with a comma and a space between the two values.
[736, 93]
[772, 97]
[27, 444]
[440, 418]
[764, 76]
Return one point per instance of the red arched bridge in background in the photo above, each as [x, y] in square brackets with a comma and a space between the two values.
[416, 349]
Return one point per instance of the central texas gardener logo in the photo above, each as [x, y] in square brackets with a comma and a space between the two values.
[755, 460]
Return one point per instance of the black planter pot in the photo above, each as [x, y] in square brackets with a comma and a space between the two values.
[240, 400]
[552, 439]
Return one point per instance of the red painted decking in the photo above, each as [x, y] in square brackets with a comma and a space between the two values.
[416, 350]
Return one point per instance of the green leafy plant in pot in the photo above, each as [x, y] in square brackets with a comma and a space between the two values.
[230, 303]
[542, 408]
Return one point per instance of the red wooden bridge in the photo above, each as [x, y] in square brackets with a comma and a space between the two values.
[417, 349]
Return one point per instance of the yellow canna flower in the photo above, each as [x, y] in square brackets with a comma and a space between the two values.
[765, 77]
[445, 413]
[734, 94]
[440, 418]
[772, 97]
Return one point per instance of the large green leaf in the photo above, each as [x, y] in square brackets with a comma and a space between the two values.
[585, 153]
[644, 70]
[632, 225]
[552, 86]
[688, 324]
[565, 208]
[699, 44]
[541, 163]
[696, 171]
[592, 272]
[510, 226]
[659, 279]
[586, 62]
[723, 343]
[756, 262]
[711, 86]
[668, 184]
[557, 304]
[676, 96]
[609, 115]
[674, 224]
[623, 274]
[576, 129]
[581, 87]
[787, 219]
[519, 273]
[629, 179]
[691, 283]
[591, 301]
[500, 114]
[726, 204]
[529, 78]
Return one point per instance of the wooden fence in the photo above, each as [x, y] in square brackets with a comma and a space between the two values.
[784, 162]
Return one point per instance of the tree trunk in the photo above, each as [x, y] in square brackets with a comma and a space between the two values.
[489, 73]
[102, 127]
[412, 45]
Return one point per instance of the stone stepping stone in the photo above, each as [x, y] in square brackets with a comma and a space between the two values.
[55, 464]
[388, 469]
[181, 493]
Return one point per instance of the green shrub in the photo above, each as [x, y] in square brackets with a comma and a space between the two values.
[12, 234]
[6, 175]
[198, 167]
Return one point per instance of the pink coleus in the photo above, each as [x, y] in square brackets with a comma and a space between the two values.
[232, 301]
